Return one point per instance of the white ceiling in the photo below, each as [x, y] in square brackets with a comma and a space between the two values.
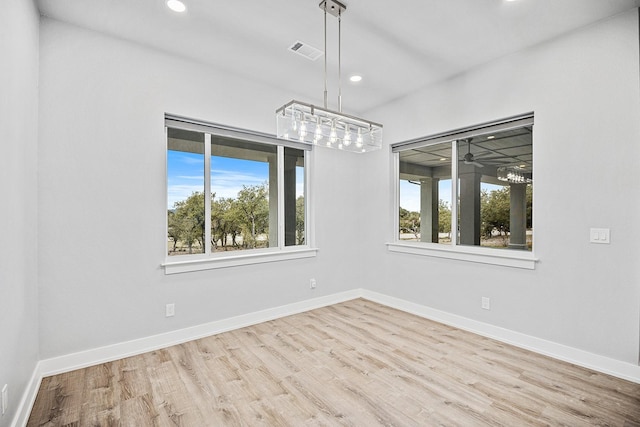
[397, 46]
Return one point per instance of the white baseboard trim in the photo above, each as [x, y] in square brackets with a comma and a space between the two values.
[28, 398]
[113, 352]
[606, 365]
[82, 359]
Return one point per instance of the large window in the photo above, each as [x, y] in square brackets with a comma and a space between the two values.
[231, 191]
[469, 187]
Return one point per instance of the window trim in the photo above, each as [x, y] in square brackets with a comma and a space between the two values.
[502, 257]
[256, 256]
[180, 122]
[508, 123]
[208, 261]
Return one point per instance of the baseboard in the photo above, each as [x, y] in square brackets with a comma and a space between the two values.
[28, 398]
[109, 353]
[606, 365]
[70, 362]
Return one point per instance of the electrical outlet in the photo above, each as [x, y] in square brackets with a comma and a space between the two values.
[170, 310]
[5, 398]
[486, 303]
[312, 283]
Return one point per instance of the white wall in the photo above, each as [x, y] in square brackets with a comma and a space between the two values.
[102, 208]
[18, 128]
[584, 90]
[101, 194]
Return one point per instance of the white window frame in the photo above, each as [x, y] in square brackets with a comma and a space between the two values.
[502, 257]
[210, 260]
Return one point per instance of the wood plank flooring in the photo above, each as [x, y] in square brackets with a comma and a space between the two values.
[352, 364]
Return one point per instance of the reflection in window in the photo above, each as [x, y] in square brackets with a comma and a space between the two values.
[493, 191]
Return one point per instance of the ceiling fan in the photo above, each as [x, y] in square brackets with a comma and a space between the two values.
[468, 158]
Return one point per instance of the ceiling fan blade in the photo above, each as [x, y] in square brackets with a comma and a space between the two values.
[474, 163]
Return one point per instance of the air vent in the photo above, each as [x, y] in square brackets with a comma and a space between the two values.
[306, 50]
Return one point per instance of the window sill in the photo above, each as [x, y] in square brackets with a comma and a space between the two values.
[503, 257]
[234, 260]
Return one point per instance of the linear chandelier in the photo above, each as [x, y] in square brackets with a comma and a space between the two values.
[514, 175]
[321, 126]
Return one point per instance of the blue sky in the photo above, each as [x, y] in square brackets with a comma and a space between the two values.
[410, 194]
[184, 175]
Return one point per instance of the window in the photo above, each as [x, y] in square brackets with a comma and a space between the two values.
[469, 188]
[232, 193]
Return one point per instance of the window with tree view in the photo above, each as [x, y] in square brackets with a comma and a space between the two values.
[231, 191]
[469, 187]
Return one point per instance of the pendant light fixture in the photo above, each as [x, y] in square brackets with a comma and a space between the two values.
[308, 123]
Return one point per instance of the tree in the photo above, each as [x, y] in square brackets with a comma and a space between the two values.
[221, 221]
[444, 217]
[300, 235]
[410, 222]
[186, 223]
[495, 211]
[233, 221]
[173, 229]
[253, 206]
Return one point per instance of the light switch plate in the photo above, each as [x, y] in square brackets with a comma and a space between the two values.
[600, 235]
[170, 310]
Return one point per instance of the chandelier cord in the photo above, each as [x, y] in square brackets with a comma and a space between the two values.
[340, 61]
[325, 56]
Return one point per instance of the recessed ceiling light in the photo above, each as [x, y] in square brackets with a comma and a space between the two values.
[443, 159]
[355, 78]
[176, 5]
[490, 137]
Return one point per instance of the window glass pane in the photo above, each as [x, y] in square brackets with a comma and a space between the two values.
[185, 192]
[244, 190]
[294, 197]
[425, 194]
[495, 187]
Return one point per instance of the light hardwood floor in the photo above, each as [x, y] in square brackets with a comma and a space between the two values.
[357, 363]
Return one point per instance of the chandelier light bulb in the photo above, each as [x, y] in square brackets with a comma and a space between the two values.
[347, 137]
[318, 134]
[333, 136]
[359, 138]
[513, 175]
[303, 131]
